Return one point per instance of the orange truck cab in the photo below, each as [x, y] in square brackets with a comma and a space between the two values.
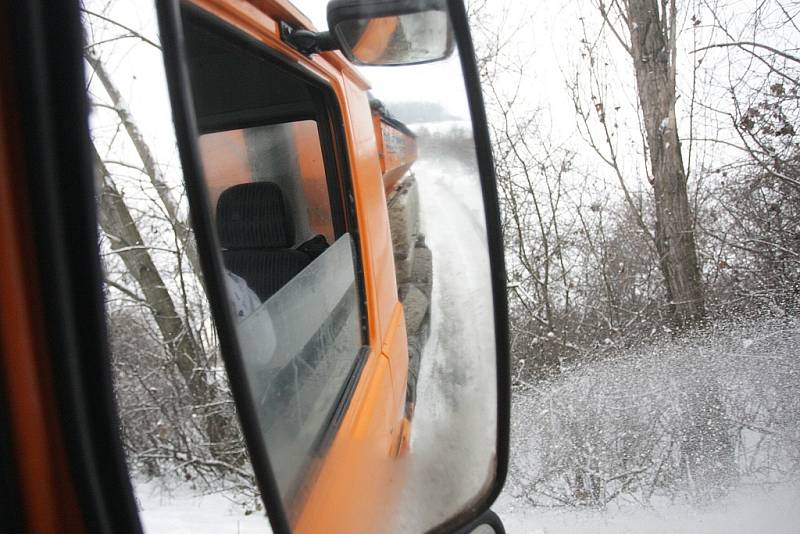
[293, 122]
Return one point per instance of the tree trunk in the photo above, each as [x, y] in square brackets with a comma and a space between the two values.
[653, 37]
[180, 226]
[126, 241]
[707, 449]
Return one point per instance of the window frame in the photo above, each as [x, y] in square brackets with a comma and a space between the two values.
[75, 421]
[332, 140]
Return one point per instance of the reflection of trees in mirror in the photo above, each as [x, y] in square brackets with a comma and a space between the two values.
[176, 414]
[450, 140]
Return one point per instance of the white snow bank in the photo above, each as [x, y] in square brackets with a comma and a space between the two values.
[688, 419]
[747, 512]
[183, 510]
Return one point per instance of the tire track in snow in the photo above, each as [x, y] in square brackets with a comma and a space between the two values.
[454, 429]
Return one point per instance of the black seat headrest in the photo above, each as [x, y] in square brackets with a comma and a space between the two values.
[253, 215]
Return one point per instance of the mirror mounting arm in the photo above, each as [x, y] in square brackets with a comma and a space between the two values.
[308, 42]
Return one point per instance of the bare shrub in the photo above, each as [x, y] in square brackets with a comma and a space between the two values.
[164, 432]
[683, 418]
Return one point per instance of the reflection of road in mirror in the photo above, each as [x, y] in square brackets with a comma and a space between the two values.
[453, 435]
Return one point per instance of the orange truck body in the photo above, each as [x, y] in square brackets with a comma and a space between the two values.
[397, 148]
[360, 476]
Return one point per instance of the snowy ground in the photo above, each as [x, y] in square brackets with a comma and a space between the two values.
[182, 511]
[755, 512]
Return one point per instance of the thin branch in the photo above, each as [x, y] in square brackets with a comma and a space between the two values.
[133, 32]
[119, 287]
[607, 21]
[742, 44]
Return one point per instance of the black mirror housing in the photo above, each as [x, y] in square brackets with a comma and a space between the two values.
[391, 32]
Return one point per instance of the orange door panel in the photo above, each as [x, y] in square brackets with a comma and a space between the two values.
[358, 480]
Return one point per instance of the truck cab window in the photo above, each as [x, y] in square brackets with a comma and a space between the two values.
[268, 189]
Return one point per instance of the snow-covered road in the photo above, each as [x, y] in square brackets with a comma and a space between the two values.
[454, 428]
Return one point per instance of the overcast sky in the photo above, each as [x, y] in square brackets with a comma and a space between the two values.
[544, 42]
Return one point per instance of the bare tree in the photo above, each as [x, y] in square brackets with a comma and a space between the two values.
[178, 337]
[577, 279]
[151, 168]
[753, 219]
[175, 405]
[651, 42]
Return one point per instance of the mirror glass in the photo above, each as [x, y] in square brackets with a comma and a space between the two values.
[397, 40]
[357, 271]
[451, 461]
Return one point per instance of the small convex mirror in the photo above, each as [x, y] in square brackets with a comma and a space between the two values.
[391, 33]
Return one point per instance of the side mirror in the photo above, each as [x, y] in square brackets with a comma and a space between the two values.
[487, 523]
[399, 32]
[360, 303]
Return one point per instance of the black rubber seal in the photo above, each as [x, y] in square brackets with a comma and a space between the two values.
[494, 234]
[48, 62]
[486, 519]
